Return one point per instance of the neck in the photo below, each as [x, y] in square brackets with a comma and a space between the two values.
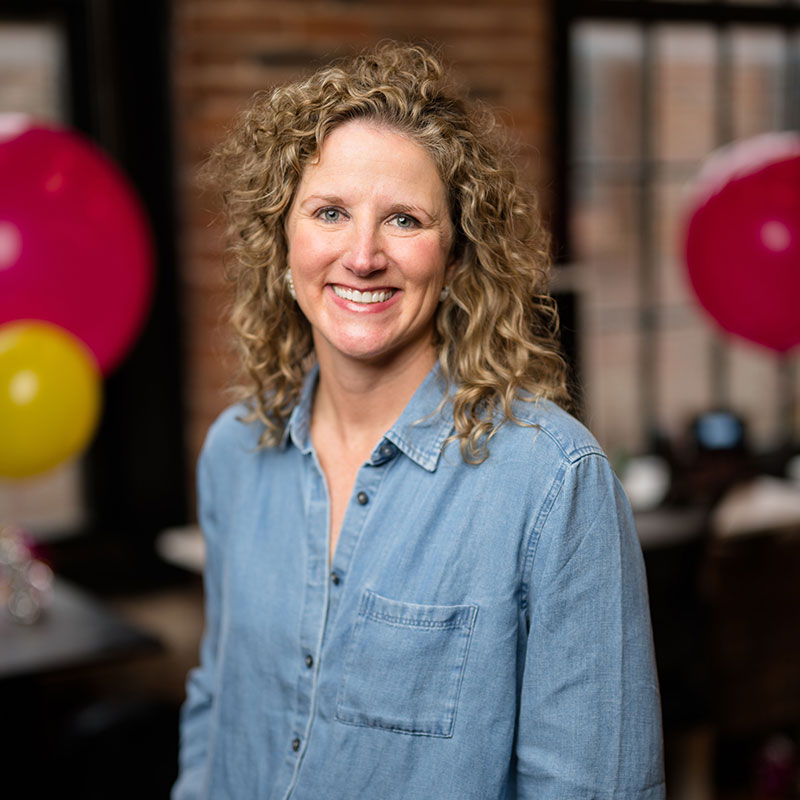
[357, 402]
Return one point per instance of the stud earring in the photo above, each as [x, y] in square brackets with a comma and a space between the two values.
[443, 295]
[290, 284]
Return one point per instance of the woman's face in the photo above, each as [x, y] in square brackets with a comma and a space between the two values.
[370, 237]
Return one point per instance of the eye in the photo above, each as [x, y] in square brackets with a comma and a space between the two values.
[405, 221]
[329, 214]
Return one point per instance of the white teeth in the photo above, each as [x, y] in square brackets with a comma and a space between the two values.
[355, 296]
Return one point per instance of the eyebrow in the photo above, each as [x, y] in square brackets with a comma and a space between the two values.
[403, 208]
[330, 199]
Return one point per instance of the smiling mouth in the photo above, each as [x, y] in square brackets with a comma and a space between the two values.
[355, 296]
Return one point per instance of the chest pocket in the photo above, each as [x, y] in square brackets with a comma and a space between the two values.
[404, 666]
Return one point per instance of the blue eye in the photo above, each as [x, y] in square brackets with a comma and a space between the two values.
[330, 214]
[405, 221]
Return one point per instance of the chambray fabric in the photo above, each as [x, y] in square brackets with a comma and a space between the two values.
[481, 632]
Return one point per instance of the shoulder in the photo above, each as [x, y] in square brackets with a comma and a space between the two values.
[229, 465]
[550, 458]
[231, 445]
[231, 433]
[544, 430]
[584, 517]
[555, 458]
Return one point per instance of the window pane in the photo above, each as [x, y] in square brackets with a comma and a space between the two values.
[605, 231]
[31, 70]
[611, 386]
[754, 389]
[604, 219]
[683, 95]
[606, 101]
[683, 337]
[758, 80]
[683, 375]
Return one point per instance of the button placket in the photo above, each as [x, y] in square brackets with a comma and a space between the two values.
[314, 614]
[360, 508]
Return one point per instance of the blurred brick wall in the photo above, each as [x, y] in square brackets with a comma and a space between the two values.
[225, 50]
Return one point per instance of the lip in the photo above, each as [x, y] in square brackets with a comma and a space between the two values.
[363, 308]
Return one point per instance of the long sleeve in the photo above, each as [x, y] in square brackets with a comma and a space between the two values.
[196, 714]
[589, 719]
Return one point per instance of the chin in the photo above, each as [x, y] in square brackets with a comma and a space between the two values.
[366, 353]
[375, 345]
[362, 344]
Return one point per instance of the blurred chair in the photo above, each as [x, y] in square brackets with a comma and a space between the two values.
[754, 599]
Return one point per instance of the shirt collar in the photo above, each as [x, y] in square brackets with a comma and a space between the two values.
[420, 431]
[298, 429]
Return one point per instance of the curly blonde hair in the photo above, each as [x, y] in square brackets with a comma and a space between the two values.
[496, 332]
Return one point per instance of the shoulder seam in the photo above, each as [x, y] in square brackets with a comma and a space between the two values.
[550, 418]
[534, 535]
[570, 454]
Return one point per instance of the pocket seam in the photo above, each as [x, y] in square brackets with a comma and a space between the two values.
[406, 623]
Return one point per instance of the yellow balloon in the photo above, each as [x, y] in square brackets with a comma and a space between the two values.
[50, 397]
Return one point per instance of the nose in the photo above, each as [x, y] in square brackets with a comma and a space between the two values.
[364, 251]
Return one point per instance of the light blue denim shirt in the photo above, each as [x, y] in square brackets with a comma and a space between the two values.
[481, 632]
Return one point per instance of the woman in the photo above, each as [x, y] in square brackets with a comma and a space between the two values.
[422, 577]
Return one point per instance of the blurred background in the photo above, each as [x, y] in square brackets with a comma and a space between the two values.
[617, 107]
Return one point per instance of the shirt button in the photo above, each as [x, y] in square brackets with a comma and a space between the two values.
[362, 498]
[296, 745]
[309, 661]
[335, 578]
[387, 450]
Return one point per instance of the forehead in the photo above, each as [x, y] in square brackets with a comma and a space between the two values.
[361, 151]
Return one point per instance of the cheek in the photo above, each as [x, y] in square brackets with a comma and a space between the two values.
[308, 250]
[425, 260]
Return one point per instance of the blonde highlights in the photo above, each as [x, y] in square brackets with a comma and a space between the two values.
[496, 331]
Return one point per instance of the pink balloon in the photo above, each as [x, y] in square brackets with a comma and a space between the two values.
[743, 240]
[75, 245]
